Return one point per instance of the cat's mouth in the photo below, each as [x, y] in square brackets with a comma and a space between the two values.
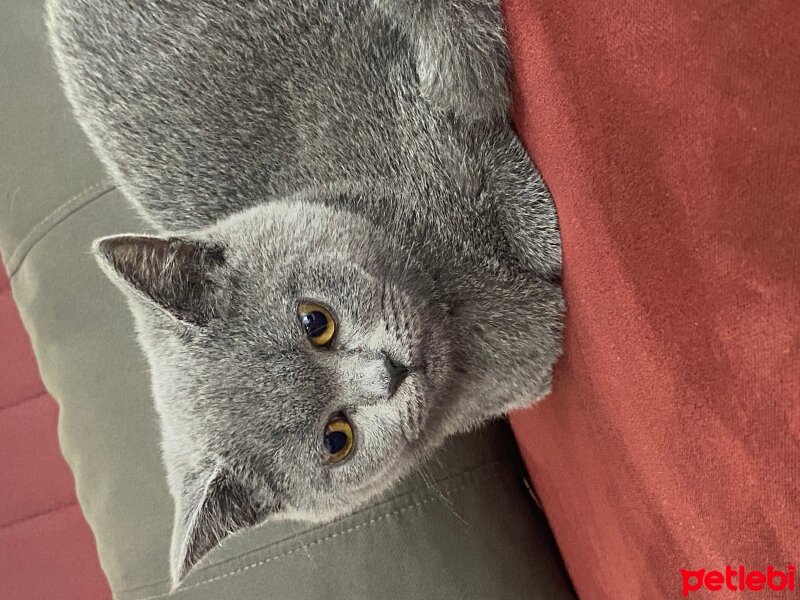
[413, 393]
[415, 409]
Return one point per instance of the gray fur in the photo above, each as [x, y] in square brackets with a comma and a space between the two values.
[351, 152]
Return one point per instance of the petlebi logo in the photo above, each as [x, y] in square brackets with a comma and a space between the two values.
[739, 579]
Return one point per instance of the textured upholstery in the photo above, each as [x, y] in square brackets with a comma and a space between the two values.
[46, 548]
[669, 133]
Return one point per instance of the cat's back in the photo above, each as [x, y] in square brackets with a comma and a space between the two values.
[203, 108]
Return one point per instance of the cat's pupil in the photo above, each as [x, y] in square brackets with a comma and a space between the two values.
[314, 323]
[335, 441]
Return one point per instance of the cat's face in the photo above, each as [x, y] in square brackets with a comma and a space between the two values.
[296, 355]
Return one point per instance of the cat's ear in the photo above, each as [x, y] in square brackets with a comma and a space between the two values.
[210, 508]
[176, 274]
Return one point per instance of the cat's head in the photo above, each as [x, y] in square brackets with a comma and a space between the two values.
[296, 353]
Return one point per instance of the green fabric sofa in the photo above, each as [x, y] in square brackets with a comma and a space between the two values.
[463, 527]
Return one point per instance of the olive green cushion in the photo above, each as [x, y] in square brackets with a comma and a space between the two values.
[464, 528]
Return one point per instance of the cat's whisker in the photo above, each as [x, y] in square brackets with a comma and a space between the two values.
[430, 482]
[305, 546]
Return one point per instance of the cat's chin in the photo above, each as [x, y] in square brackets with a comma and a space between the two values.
[394, 469]
[360, 496]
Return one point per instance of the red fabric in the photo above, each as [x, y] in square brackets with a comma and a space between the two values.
[46, 548]
[669, 134]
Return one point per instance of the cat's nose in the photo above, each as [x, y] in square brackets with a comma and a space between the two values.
[397, 373]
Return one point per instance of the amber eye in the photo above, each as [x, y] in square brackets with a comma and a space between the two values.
[338, 439]
[317, 323]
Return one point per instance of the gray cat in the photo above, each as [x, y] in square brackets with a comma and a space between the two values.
[358, 258]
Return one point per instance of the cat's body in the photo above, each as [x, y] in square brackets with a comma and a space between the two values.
[354, 153]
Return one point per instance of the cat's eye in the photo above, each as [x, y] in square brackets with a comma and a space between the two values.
[317, 322]
[338, 439]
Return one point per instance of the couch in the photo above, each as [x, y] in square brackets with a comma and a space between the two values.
[465, 526]
[668, 134]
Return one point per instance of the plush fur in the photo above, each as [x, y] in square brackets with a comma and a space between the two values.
[354, 153]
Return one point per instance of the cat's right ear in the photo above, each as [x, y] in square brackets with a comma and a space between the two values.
[179, 275]
[210, 507]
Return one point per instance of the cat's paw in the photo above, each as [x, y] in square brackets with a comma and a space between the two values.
[462, 58]
[463, 62]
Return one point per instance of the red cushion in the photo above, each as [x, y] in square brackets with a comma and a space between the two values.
[46, 547]
[669, 133]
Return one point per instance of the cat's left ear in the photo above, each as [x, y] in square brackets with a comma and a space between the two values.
[179, 275]
[208, 509]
